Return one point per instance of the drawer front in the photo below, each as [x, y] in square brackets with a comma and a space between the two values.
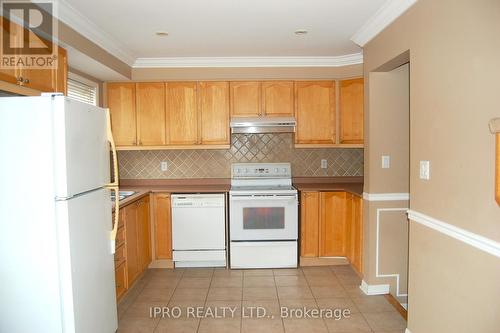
[120, 237]
[119, 256]
[121, 280]
[121, 219]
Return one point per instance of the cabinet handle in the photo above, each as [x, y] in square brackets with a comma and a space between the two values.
[26, 81]
[20, 79]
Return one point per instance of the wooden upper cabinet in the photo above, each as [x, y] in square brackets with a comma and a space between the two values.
[44, 80]
[214, 112]
[246, 99]
[351, 111]
[182, 120]
[163, 226]
[332, 240]
[150, 102]
[277, 98]
[16, 37]
[315, 112]
[309, 224]
[121, 103]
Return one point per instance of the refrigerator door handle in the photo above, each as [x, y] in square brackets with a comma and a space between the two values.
[114, 185]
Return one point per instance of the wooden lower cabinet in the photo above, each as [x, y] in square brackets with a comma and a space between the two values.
[309, 227]
[163, 225]
[331, 226]
[133, 244]
[121, 280]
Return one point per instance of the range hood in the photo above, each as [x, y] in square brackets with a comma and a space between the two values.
[263, 125]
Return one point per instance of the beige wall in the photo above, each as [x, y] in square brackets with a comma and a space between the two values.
[388, 131]
[158, 74]
[454, 68]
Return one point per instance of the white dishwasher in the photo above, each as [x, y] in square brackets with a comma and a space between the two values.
[199, 230]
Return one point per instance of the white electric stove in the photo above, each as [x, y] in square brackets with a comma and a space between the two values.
[263, 216]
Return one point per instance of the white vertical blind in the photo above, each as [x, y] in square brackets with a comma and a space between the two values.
[82, 92]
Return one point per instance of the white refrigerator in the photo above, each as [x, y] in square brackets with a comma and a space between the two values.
[56, 244]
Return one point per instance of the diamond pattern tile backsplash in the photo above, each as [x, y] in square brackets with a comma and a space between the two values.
[212, 163]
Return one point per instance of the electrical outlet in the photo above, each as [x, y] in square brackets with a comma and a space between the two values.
[324, 164]
[425, 170]
[386, 161]
[163, 166]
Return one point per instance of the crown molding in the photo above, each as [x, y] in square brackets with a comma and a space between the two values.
[386, 14]
[194, 62]
[77, 21]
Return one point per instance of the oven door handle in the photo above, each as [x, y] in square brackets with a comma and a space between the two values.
[262, 198]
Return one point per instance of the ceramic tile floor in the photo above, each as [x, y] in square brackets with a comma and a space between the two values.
[184, 291]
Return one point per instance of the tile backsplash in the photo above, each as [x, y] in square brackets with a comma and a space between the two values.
[216, 163]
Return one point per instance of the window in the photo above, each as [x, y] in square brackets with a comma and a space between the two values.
[81, 89]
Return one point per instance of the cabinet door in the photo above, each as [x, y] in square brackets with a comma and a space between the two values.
[351, 111]
[163, 226]
[121, 104]
[62, 71]
[143, 234]
[245, 99]
[182, 121]
[332, 235]
[349, 226]
[130, 212]
[357, 237]
[309, 224]
[214, 112]
[16, 37]
[150, 113]
[315, 112]
[278, 98]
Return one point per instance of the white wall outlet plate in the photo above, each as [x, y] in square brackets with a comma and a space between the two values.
[425, 170]
[163, 166]
[386, 161]
[324, 164]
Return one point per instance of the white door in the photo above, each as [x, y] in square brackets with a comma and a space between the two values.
[86, 263]
[81, 149]
[267, 217]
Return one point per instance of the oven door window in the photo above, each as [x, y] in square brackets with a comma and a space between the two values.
[264, 218]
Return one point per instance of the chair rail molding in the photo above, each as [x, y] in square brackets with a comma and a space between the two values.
[480, 242]
[386, 196]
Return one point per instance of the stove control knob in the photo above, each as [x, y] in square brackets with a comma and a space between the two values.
[276, 170]
[284, 170]
[245, 170]
[238, 170]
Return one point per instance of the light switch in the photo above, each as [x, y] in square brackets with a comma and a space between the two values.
[163, 166]
[324, 164]
[386, 161]
[425, 170]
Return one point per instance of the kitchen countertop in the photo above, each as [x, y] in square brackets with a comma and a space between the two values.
[353, 185]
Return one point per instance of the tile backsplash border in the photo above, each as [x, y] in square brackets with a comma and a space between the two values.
[216, 163]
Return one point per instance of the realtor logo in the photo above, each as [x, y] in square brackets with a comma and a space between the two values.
[28, 33]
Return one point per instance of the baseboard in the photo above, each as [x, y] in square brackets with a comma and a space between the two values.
[323, 261]
[374, 289]
[161, 263]
[407, 331]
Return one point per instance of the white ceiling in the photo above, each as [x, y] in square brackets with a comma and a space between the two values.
[224, 28]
